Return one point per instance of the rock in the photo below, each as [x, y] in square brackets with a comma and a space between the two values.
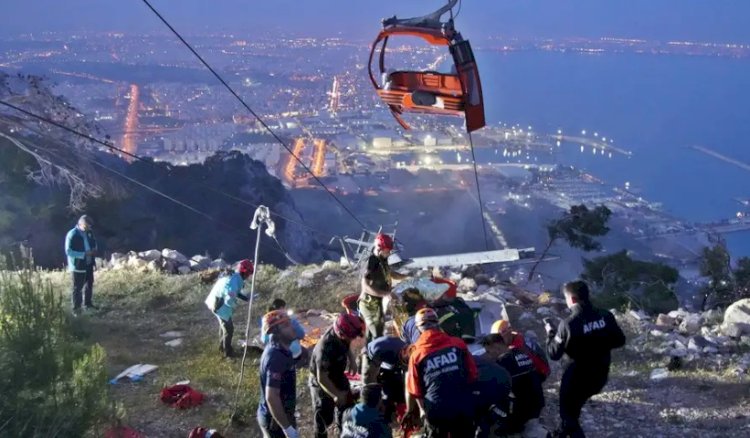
[175, 256]
[712, 316]
[172, 334]
[699, 343]
[710, 350]
[311, 273]
[678, 314]
[739, 315]
[472, 271]
[174, 343]
[168, 266]
[304, 282]
[733, 330]
[117, 258]
[219, 264]
[200, 263]
[183, 270]
[153, 266]
[691, 323]
[659, 374]
[639, 315]
[467, 284]
[329, 265]
[665, 320]
[150, 255]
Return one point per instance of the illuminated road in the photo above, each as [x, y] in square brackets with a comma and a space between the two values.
[319, 157]
[291, 165]
[129, 143]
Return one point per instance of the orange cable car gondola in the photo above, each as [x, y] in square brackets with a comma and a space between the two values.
[456, 93]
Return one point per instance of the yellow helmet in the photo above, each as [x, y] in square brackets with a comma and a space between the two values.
[501, 326]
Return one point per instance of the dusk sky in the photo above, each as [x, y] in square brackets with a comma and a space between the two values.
[706, 20]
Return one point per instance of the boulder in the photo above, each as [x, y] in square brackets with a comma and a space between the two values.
[219, 264]
[304, 282]
[699, 343]
[154, 266]
[733, 330]
[472, 271]
[329, 265]
[175, 256]
[183, 270]
[168, 266]
[659, 374]
[118, 260]
[638, 315]
[691, 323]
[200, 263]
[665, 321]
[738, 317]
[137, 263]
[150, 255]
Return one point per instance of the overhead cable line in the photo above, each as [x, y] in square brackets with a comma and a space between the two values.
[251, 111]
[479, 192]
[145, 160]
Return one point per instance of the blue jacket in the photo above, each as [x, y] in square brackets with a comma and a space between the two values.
[227, 288]
[77, 243]
[361, 421]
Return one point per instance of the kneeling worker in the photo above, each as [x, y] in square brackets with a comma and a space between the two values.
[366, 419]
[223, 298]
[388, 357]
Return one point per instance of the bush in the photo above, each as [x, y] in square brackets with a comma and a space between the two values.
[51, 384]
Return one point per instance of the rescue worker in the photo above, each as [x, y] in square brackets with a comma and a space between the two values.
[376, 285]
[366, 419]
[222, 300]
[388, 357]
[516, 340]
[528, 395]
[491, 396]
[587, 336]
[80, 249]
[413, 301]
[295, 347]
[278, 378]
[440, 378]
[329, 386]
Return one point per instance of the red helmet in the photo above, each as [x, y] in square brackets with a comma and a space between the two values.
[383, 241]
[245, 268]
[348, 326]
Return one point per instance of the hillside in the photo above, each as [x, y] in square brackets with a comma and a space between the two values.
[48, 177]
[707, 397]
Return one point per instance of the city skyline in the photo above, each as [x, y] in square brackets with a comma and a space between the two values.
[664, 20]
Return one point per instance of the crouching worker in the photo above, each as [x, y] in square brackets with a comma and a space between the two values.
[329, 386]
[295, 347]
[491, 396]
[526, 385]
[278, 378]
[440, 378]
[223, 298]
[388, 357]
[366, 419]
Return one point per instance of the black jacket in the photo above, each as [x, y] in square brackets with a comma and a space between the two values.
[587, 337]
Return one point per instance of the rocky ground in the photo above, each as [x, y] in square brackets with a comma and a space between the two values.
[680, 375]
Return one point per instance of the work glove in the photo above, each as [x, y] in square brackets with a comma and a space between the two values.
[291, 432]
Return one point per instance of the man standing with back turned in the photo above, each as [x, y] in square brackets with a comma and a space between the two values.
[80, 248]
[587, 336]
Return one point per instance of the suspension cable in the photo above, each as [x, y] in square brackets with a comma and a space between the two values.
[251, 111]
[479, 192]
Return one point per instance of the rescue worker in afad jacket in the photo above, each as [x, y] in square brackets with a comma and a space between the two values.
[587, 336]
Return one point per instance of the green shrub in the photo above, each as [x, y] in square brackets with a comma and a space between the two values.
[51, 384]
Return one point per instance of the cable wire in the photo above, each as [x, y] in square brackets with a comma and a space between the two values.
[251, 111]
[479, 192]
